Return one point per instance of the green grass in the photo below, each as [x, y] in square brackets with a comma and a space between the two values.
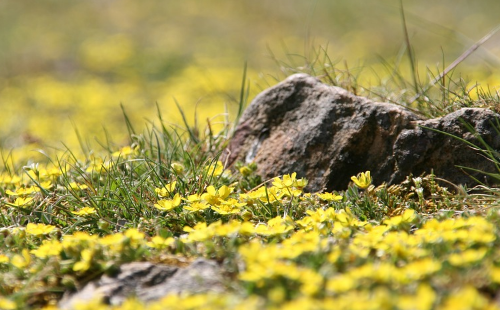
[416, 245]
[313, 248]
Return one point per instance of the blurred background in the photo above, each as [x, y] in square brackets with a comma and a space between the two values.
[66, 66]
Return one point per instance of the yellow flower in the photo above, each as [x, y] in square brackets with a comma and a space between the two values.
[124, 152]
[233, 202]
[274, 226]
[466, 298]
[77, 186]
[215, 197]
[178, 168]
[329, 197]
[21, 261]
[292, 192]
[196, 206]
[286, 182]
[7, 304]
[226, 209]
[407, 217]
[134, 234]
[84, 211]
[300, 183]
[316, 217]
[46, 184]
[85, 261]
[48, 248]
[422, 300]
[311, 282]
[167, 190]
[99, 166]
[494, 273]
[4, 259]
[52, 172]
[160, 243]
[193, 198]
[114, 242]
[10, 180]
[19, 202]
[201, 232]
[467, 257]
[231, 228]
[39, 229]
[167, 205]
[23, 191]
[419, 269]
[78, 238]
[362, 180]
[340, 284]
[214, 169]
[245, 171]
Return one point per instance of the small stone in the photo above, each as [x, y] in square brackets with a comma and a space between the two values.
[148, 282]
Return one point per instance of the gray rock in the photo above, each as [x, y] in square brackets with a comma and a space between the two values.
[327, 135]
[426, 147]
[149, 282]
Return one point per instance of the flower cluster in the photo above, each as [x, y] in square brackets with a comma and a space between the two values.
[288, 248]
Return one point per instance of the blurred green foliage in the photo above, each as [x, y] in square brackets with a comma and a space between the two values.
[69, 64]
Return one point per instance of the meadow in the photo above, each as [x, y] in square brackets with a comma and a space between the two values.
[114, 116]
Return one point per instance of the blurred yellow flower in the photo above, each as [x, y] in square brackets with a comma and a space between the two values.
[200, 232]
[7, 304]
[134, 234]
[23, 191]
[418, 269]
[21, 261]
[160, 243]
[46, 184]
[78, 238]
[495, 274]
[245, 171]
[274, 226]
[99, 166]
[114, 242]
[48, 248]
[3, 259]
[77, 186]
[39, 229]
[124, 152]
[178, 167]
[341, 283]
[85, 261]
[8, 179]
[467, 257]
[423, 299]
[407, 217]
[465, 298]
[230, 228]
[105, 53]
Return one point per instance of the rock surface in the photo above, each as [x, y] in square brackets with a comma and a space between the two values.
[327, 135]
[149, 282]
